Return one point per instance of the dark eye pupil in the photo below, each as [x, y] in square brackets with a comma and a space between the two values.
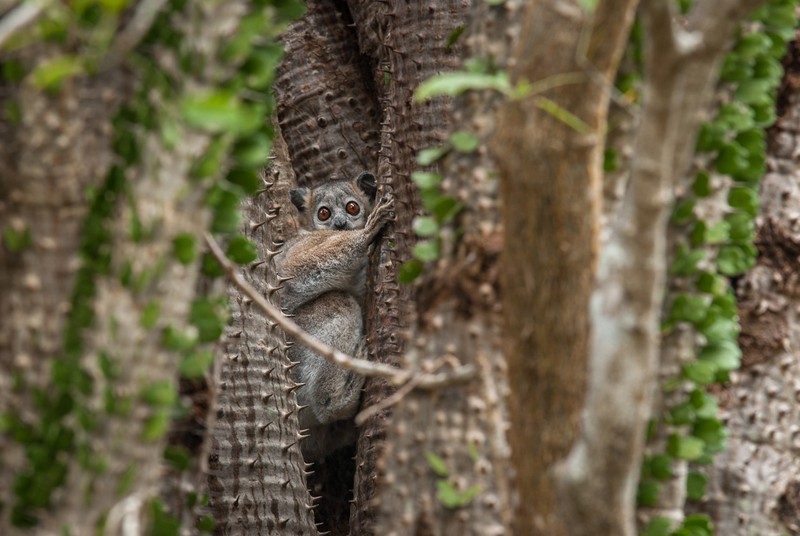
[323, 213]
[352, 208]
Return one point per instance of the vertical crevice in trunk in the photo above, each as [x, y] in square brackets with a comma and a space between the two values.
[407, 42]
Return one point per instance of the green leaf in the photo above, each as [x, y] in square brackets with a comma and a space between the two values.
[259, 68]
[696, 485]
[17, 240]
[50, 73]
[686, 260]
[657, 527]
[661, 467]
[685, 447]
[409, 271]
[210, 266]
[205, 318]
[159, 394]
[209, 164]
[700, 372]
[752, 45]
[711, 283]
[731, 159]
[610, 160]
[734, 260]
[451, 498]
[702, 184]
[712, 432]
[178, 457]
[704, 404]
[436, 463]
[425, 226]
[426, 180]
[241, 250]
[454, 36]
[647, 493]
[426, 251]
[736, 69]
[195, 365]
[456, 83]
[252, 151]
[720, 329]
[426, 157]
[688, 308]
[221, 111]
[681, 414]
[464, 142]
[206, 524]
[745, 199]
[683, 211]
[755, 91]
[149, 315]
[733, 117]
[184, 247]
[742, 227]
[443, 208]
[699, 522]
[725, 355]
[247, 179]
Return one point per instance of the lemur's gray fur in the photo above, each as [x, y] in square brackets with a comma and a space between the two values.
[326, 266]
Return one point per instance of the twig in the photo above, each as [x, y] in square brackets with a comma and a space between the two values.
[133, 32]
[395, 375]
[19, 17]
[389, 401]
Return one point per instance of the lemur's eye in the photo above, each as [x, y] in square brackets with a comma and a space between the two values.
[324, 213]
[352, 208]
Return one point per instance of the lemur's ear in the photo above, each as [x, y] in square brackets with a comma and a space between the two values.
[366, 181]
[299, 197]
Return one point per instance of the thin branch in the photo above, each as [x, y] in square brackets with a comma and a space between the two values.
[395, 375]
[387, 402]
[135, 30]
[19, 17]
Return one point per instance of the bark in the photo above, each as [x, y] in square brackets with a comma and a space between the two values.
[256, 475]
[43, 193]
[753, 487]
[680, 70]
[551, 210]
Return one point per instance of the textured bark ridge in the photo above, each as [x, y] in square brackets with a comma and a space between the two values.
[754, 484]
[326, 109]
[256, 471]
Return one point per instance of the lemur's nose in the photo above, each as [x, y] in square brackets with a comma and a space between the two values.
[339, 222]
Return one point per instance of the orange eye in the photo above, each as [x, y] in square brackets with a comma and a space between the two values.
[352, 208]
[324, 213]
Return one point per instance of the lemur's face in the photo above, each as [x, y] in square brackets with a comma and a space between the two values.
[339, 205]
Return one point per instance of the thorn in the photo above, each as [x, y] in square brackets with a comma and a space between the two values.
[236, 335]
[256, 265]
[308, 465]
[282, 523]
[285, 484]
[266, 397]
[300, 408]
[271, 253]
[301, 436]
[282, 279]
[247, 300]
[236, 501]
[291, 365]
[256, 226]
[268, 373]
[295, 387]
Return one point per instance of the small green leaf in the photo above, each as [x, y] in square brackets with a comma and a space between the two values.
[241, 250]
[205, 317]
[700, 372]
[17, 240]
[210, 266]
[725, 355]
[206, 524]
[49, 73]
[247, 179]
[712, 283]
[426, 157]
[734, 260]
[426, 251]
[178, 457]
[451, 498]
[657, 527]
[731, 159]
[742, 227]
[610, 160]
[149, 315]
[220, 111]
[454, 36]
[252, 151]
[195, 365]
[647, 493]
[443, 208]
[661, 467]
[436, 463]
[745, 199]
[696, 486]
[464, 142]
[426, 180]
[685, 447]
[712, 432]
[409, 271]
[688, 308]
[184, 248]
[456, 83]
[687, 260]
[682, 414]
[425, 226]
[702, 184]
[156, 426]
[683, 211]
[159, 394]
